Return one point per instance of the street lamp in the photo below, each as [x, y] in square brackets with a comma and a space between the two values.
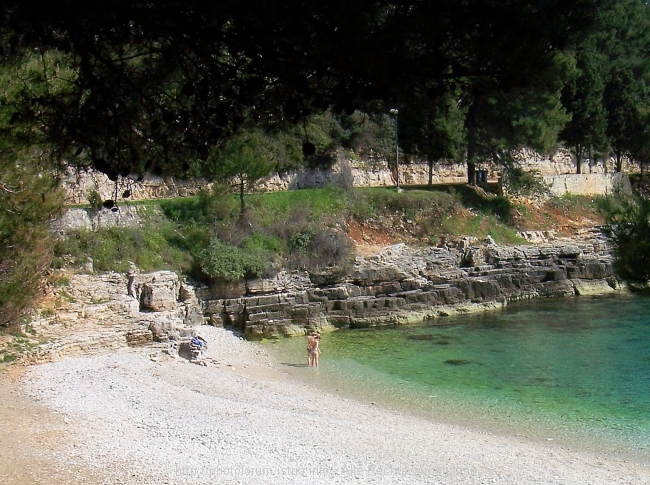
[395, 112]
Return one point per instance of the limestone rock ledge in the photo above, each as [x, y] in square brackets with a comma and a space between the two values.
[404, 284]
[399, 285]
[98, 313]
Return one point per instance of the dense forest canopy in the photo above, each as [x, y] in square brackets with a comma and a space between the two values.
[130, 86]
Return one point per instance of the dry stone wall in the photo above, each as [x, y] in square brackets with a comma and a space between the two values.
[588, 184]
[87, 219]
[558, 170]
[404, 284]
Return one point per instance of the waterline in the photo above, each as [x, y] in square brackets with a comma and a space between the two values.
[572, 370]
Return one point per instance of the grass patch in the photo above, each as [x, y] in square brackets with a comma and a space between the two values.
[149, 248]
[274, 206]
[9, 358]
[301, 229]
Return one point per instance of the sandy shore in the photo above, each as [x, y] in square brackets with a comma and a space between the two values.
[125, 418]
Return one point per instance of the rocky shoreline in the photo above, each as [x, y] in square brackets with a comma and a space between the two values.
[403, 285]
[128, 409]
[398, 285]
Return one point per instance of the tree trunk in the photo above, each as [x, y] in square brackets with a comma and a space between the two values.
[619, 162]
[241, 196]
[641, 177]
[430, 174]
[578, 159]
[472, 135]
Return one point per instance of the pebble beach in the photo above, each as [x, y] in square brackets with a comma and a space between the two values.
[136, 416]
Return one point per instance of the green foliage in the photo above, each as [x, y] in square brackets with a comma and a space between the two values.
[479, 226]
[221, 261]
[248, 157]
[301, 240]
[524, 182]
[276, 206]
[29, 192]
[628, 225]
[324, 251]
[209, 206]
[95, 200]
[29, 198]
[579, 204]
[9, 358]
[433, 129]
[261, 242]
[408, 203]
[583, 97]
[359, 134]
[149, 248]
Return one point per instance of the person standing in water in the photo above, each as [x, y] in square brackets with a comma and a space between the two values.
[312, 349]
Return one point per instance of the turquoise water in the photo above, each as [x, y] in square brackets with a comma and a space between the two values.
[572, 370]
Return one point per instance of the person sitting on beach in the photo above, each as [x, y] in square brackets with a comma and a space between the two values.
[312, 349]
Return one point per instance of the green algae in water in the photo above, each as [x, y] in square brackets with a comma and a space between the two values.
[581, 363]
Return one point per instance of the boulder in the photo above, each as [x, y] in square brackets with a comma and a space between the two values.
[158, 291]
[157, 298]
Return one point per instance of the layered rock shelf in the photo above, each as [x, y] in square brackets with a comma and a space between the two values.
[404, 284]
[399, 285]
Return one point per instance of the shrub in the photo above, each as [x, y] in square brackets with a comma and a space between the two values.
[328, 249]
[221, 261]
[528, 183]
[150, 248]
[628, 225]
[29, 199]
[319, 250]
[95, 200]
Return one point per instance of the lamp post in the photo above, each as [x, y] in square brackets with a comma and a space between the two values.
[395, 112]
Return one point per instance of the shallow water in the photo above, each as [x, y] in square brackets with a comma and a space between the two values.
[572, 370]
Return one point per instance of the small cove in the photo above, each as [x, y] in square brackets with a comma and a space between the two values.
[575, 371]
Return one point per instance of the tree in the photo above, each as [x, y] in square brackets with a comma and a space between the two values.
[155, 84]
[628, 226]
[623, 100]
[250, 156]
[583, 98]
[433, 130]
[500, 122]
[29, 198]
[625, 42]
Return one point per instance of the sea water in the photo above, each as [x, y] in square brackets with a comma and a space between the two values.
[576, 370]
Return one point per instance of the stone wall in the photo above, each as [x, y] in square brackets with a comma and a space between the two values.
[587, 184]
[563, 162]
[92, 219]
[404, 284]
[364, 173]
[79, 185]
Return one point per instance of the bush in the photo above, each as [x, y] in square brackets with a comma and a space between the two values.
[221, 261]
[209, 206]
[319, 250]
[527, 183]
[330, 249]
[628, 225]
[95, 200]
[29, 199]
